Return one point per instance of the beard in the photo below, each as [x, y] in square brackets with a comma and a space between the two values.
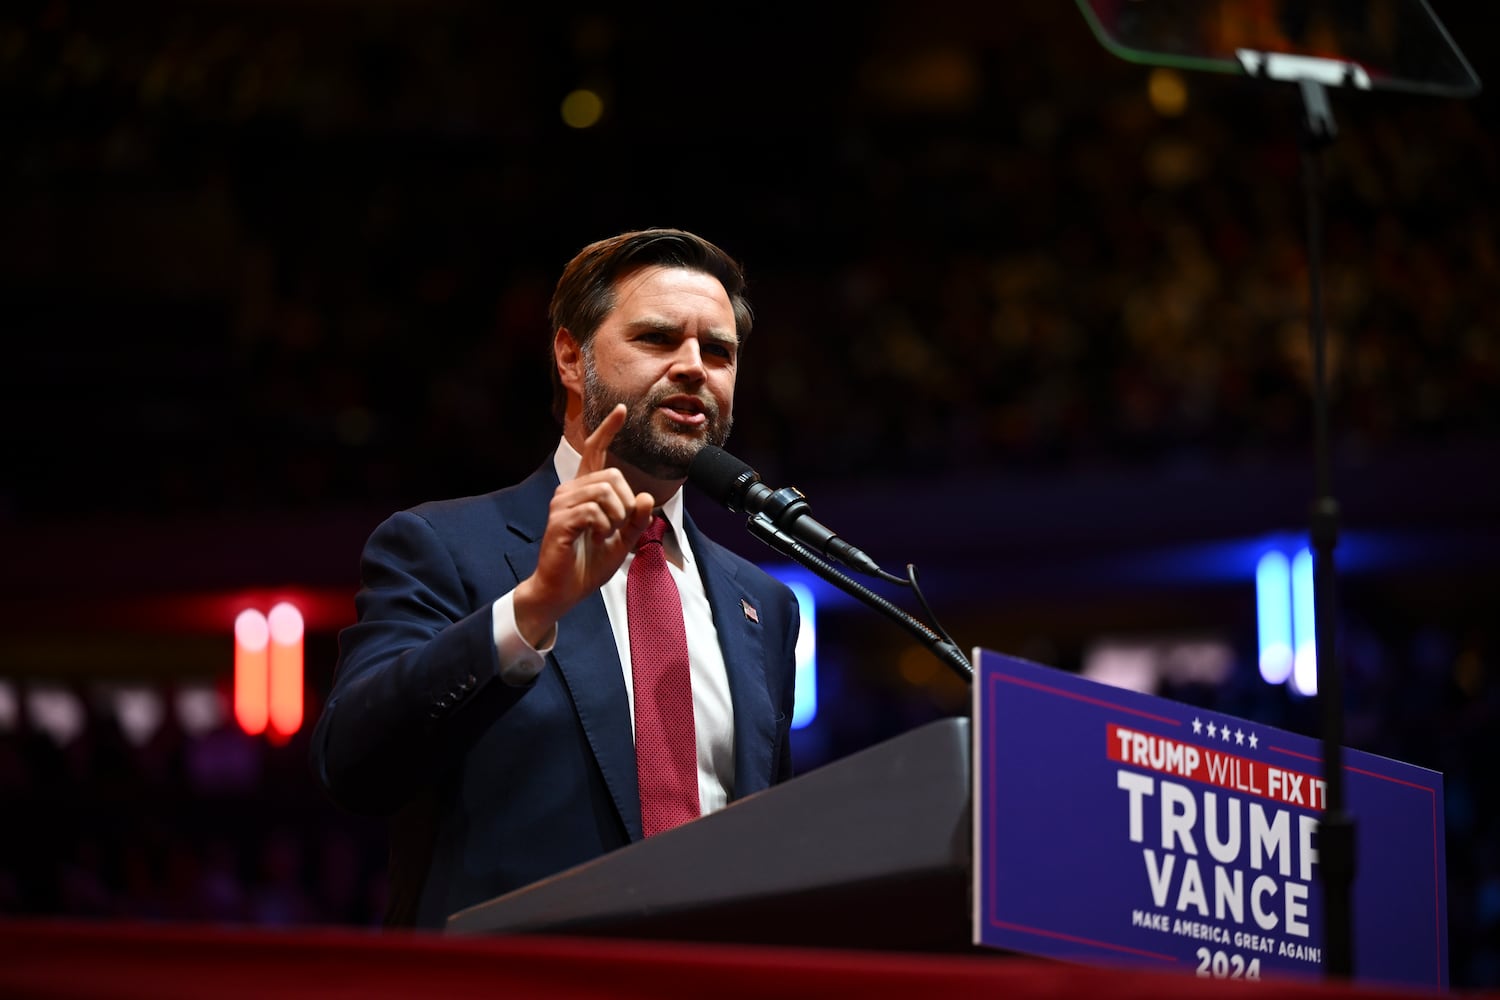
[659, 452]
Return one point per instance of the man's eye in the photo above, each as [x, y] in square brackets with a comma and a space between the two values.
[718, 350]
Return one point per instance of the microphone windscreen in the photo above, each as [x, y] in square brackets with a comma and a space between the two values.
[720, 475]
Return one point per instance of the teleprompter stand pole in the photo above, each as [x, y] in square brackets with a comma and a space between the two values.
[1336, 828]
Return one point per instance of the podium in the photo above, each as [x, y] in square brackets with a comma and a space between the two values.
[870, 851]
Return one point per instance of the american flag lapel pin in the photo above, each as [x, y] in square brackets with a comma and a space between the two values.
[750, 612]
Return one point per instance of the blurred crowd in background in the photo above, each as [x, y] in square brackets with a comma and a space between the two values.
[321, 246]
[258, 256]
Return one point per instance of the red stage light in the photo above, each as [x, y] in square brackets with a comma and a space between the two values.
[252, 688]
[286, 628]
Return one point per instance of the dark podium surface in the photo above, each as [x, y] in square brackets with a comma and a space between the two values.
[870, 851]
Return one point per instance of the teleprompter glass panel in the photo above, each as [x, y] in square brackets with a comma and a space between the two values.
[1370, 44]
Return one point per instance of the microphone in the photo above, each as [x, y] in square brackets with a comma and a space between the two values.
[731, 482]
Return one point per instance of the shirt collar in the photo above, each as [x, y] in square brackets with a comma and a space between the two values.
[566, 461]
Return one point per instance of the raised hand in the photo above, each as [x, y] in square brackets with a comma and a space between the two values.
[592, 524]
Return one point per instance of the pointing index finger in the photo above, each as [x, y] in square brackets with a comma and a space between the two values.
[596, 446]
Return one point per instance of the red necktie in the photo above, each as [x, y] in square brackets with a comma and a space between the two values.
[666, 749]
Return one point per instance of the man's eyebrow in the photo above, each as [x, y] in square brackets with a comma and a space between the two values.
[652, 323]
[728, 337]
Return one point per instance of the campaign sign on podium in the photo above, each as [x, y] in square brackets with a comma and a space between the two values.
[1113, 827]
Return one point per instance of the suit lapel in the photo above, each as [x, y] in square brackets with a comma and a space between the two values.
[585, 656]
[589, 661]
[742, 641]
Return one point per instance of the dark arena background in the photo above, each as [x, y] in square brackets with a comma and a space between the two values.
[1030, 317]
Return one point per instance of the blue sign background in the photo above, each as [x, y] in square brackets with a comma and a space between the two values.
[1057, 873]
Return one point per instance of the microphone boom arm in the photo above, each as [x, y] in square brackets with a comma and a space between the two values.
[763, 528]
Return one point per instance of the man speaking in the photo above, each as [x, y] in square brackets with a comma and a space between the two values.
[548, 672]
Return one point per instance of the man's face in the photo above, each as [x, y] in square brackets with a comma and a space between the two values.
[668, 351]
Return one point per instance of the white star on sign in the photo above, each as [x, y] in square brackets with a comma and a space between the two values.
[1212, 730]
[1253, 741]
[1197, 726]
[1239, 737]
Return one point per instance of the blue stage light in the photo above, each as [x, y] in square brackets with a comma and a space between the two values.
[1273, 615]
[805, 588]
[805, 708]
[1304, 632]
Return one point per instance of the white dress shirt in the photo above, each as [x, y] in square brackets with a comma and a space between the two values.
[713, 712]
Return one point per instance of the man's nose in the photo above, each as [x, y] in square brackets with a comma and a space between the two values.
[687, 362]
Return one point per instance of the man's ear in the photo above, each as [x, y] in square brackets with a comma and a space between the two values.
[567, 354]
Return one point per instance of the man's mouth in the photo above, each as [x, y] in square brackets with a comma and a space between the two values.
[687, 410]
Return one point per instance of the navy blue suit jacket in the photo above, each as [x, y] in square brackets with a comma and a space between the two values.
[491, 786]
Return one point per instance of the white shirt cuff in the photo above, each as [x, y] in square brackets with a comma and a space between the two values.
[519, 662]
